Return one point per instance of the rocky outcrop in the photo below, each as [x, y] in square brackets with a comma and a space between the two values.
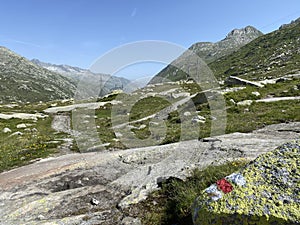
[266, 191]
[93, 188]
[232, 80]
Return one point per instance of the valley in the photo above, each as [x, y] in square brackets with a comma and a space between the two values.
[105, 160]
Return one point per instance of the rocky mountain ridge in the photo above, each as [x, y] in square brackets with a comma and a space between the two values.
[234, 40]
[210, 52]
[272, 55]
[76, 74]
[61, 69]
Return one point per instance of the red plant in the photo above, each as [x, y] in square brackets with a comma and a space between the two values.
[224, 186]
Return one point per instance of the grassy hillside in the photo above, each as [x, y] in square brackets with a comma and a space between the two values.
[208, 52]
[272, 55]
[23, 81]
[268, 56]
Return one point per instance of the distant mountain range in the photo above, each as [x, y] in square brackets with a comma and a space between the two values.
[244, 52]
[76, 74]
[22, 80]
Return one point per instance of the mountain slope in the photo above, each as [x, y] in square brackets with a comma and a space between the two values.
[76, 73]
[22, 81]
[209, 52]
[272, 55]
[234, 40]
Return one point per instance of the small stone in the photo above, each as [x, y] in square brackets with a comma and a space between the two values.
[41, 217]
[245, 103]
[131, 221]
[198, 119]
[6, 130]
[256, 93]
[94, 201]
[187, 114]
[18, 133]
[21, 126]
[142, 127]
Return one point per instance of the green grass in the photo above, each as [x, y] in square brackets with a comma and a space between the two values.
[258, 115]
[172, 203]
[191, 88]
[147, 106]
[280, 89]
[239, 118]
[17, 151]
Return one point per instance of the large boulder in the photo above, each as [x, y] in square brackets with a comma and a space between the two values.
[266, 191]
[232, 80]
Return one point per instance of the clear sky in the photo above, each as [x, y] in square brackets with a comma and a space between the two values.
[76, 32]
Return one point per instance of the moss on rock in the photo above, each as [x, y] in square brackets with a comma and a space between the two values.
[271, 194]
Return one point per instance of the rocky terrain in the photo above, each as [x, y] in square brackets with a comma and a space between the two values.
[89, 161]
[93, 188]
[235, 39]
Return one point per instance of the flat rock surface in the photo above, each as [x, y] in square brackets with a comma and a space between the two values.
[60, 190]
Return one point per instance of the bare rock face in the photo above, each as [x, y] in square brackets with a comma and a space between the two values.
[265, 192]
[94, 188]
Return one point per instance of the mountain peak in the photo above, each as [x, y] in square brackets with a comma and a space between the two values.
[246, 31]
[36, 61]
[210, 52]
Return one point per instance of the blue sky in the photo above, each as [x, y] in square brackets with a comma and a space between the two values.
[76, 32]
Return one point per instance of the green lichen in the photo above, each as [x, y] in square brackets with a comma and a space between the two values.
[271, 194]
